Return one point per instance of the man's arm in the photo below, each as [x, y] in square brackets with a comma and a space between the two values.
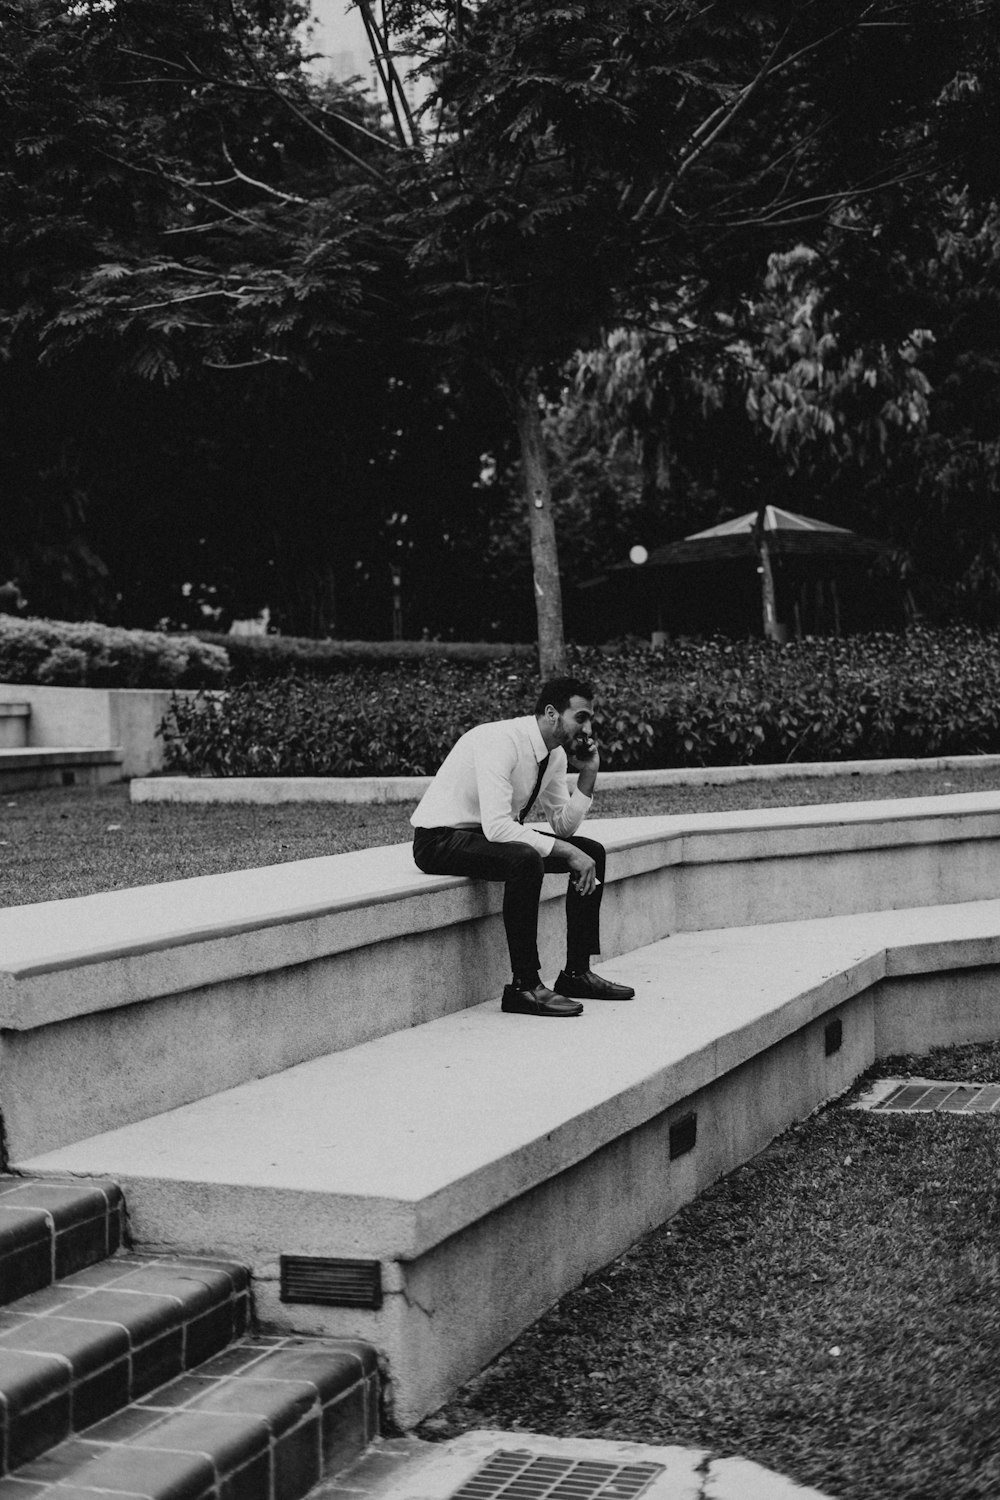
[565, 810]
[495, 759]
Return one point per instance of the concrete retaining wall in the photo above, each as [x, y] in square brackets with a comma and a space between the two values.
[98, 718]
[274, 789]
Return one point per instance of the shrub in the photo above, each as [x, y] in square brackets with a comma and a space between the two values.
[58, 652]
[399, 721]
[65, 666]
[695, 703]
[262, 657]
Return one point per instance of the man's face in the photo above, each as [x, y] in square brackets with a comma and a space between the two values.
[574, 721]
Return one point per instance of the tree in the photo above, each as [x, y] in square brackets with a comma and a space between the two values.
[580, 162]
[596, 155]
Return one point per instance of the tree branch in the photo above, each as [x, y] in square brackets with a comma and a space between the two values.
[769, 69]
[264, 187]
[196, 297]
[387, 76]
[248, 364]
[299, 114]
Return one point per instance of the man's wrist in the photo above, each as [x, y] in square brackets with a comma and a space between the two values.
[586, 781]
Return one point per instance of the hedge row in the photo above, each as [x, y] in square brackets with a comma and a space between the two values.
[696, 703]
[61, 654]
[57, 653]
[264, 657]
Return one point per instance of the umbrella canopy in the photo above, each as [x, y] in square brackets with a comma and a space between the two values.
[784, 532]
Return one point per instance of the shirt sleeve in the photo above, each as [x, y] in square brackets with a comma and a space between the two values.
[495, 760]
[564, 810]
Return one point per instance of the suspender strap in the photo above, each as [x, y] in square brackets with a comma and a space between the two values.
[525, 810]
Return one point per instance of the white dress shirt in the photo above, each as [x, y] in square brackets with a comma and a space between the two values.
[488, 776]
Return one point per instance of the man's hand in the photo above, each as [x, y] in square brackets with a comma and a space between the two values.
[583, 871]
[586, 759]
[583, 754]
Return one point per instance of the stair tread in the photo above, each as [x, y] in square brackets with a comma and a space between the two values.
[51, 1228]
[77, 1351]
[422, 1131]
[272, 1411]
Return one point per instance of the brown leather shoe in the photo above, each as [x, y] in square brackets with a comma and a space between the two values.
[591, 986]
[537, 1002]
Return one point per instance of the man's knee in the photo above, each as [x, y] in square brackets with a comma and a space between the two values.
[523, 862]
[596, 851]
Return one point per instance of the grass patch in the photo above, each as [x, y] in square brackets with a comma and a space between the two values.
[831, 1309]
[75, 841]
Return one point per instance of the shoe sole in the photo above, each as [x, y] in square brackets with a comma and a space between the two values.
[612, 998]
[546, 1015]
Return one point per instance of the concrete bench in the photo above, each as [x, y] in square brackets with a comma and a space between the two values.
[27, 769]
[115, 1007]
[482, 1164]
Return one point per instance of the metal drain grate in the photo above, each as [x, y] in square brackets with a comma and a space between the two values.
[512, 1474]
[915, 1096]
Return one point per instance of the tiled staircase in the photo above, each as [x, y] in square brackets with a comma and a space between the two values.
[139, 1375]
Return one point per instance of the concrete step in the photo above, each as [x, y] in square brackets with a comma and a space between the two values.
[266, 1419]
[82, 1348]
[53, 1228]
[479, 1165]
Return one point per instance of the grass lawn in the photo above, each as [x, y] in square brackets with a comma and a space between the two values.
[831, 1309]
[74, 841]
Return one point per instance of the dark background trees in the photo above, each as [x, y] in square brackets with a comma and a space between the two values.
[262, 346]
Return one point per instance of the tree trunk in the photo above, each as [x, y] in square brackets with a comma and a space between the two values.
[544, 552]
[768, 597]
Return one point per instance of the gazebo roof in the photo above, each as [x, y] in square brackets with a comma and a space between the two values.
[785, 532]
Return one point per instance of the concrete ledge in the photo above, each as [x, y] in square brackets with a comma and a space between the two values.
[127, 718]
[26, 768]
[119, 1006]
[272, 789]
[457, 1153]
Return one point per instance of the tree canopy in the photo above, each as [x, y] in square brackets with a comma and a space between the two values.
[300, 301]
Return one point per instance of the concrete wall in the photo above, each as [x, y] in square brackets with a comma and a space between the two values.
[14, 719]
[97, 718]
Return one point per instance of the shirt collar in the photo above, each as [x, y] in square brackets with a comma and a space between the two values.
[538, 745]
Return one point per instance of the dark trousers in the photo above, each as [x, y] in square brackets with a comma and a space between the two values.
[467, 851]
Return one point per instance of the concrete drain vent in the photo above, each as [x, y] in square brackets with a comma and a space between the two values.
[918, 1096]
[511, 1474]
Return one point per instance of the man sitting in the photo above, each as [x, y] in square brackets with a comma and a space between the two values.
[470, 821]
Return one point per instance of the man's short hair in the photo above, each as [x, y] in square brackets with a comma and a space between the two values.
[559, 690]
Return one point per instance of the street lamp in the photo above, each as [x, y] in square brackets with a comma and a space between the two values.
[397, 602]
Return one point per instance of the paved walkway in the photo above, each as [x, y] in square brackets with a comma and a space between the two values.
[408, 1469]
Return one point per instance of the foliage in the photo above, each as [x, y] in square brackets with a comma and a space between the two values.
[167, 219]
[57, 653]
[183, 205]
[697, 703]
[228, 293]
[259, 658]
